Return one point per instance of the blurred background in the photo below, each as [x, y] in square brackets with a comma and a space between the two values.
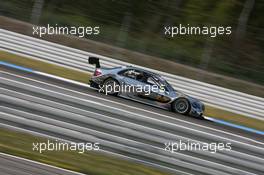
[139, 26]
[133, 31]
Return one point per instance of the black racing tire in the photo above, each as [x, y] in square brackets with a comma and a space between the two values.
[110, 82]
[181, 106]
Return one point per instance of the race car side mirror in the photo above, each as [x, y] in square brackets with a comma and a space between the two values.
[94, 60]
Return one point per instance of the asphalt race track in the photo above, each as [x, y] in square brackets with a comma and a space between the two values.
[13, 166]
[123, 128]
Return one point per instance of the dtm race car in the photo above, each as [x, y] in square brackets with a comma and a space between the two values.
[143, 86]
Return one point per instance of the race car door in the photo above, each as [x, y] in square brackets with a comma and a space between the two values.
[158, 92]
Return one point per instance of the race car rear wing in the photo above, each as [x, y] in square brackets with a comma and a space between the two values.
[94, 60]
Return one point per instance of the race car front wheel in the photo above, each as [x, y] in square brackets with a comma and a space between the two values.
[181, 106]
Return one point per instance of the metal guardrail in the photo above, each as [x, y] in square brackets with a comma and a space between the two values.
[212, 95]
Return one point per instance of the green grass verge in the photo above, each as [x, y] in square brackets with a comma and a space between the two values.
[92, 163]
[45, 67]
[84, 77]
[234, 118]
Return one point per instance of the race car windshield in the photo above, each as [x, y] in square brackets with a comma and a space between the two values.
[164, 83]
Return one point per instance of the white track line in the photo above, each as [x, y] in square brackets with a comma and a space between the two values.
[121, 104]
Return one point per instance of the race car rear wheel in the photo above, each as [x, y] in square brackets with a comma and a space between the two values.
[181, 106]
[111, 87]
